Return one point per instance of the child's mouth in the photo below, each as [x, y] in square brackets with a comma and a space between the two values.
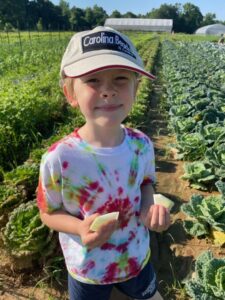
[109, 107]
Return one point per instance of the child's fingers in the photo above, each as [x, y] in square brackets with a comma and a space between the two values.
[163, 217]
[98, 238]
[159, 218]
[154, 217]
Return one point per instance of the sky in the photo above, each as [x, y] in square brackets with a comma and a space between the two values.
[144, 6]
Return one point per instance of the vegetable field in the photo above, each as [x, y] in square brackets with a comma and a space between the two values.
[183, 112]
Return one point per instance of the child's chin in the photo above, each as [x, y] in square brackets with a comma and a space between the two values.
[109, 122]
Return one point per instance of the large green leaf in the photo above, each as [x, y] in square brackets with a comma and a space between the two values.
[193, 207]
[195, 228]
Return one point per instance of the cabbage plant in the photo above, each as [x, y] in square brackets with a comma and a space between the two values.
[17, 187]
[205, 214]
[200, 174]
[209, 278]
[25, 234]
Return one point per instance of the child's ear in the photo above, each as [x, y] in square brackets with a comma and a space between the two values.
[70, 96]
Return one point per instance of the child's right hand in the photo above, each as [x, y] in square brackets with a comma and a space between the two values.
[92, 239]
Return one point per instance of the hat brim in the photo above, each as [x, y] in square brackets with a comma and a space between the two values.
[95, 64]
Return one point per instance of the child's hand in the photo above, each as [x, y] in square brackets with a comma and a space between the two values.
[92, 239]
[157, 218]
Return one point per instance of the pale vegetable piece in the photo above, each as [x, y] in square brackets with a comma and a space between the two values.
[103, 219]
[164, 201]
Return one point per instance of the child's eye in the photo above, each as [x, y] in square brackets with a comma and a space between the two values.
[92, 80]
[121, 78]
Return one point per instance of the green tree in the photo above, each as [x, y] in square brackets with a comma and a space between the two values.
[13, 12]
[99, 16]
[95, 16]
[65, 7]
[89, 16]
[129, 15]
[167, 11]
[65, 15]
[192, 17]
[40, 25]
[115, 14]
[209, 19]
[32, 15]
[8, 27]
[77, 19]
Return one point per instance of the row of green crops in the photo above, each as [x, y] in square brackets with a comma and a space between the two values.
[194, 82]
[206, 219]
[148, 50]
[195, 91]
[19, 215]
[31, 103]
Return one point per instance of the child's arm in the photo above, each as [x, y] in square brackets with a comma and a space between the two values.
[155, 217]
[63, 222]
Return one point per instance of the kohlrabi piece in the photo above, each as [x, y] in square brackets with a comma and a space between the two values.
[162, 200]
[103, 219]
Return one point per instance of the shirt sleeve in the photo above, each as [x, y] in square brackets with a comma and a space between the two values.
[49, 196]
[149, 175]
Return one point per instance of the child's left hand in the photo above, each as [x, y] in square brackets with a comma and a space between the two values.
[157, 218]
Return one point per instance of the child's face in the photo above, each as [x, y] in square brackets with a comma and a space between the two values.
[105, 98]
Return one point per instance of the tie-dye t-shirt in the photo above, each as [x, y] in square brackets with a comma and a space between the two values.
[82, 180]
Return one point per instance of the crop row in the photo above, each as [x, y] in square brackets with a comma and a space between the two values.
[195, 92]
[194, 81]
[31, 103]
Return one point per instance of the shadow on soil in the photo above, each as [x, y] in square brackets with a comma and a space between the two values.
[165, 166]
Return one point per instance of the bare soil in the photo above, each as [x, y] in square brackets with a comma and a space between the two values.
[173, 252]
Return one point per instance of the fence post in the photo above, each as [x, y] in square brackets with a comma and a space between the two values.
[1, 37]
[50, 35]
[7, 33]
[21, 48]
[29, 37]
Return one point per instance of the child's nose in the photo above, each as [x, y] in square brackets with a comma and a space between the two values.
[108, 91]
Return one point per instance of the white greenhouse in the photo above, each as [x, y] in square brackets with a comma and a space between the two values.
[214, 29]
[164, 25]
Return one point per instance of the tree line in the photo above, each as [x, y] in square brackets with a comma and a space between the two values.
[43, 15]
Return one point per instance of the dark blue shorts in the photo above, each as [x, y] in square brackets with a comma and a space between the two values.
[142, 286]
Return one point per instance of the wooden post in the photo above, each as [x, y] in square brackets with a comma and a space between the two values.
[21, 47]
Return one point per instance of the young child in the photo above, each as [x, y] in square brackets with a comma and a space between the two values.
[102, 167]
